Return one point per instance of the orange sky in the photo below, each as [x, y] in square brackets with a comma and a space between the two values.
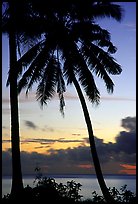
[128, 169]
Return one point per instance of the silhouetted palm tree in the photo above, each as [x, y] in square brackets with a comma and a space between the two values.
[17, 183]
[15, 24]
[73, 48]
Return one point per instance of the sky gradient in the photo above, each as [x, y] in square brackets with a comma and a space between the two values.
[60, 145]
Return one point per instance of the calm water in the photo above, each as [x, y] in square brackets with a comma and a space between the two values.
[89, 183]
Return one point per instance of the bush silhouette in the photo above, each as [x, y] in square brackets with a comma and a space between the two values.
[48, 191]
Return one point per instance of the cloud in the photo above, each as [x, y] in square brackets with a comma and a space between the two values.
[49, 141]
[6, 141]
[68, 96]
[45, 141]
[30, 124]
[128, 168]
[48, 129]
[131, 26]
[124, 148]
[129, 123]
[23, 98]
[76, 134]
[110, 98]
[118, 157]
[126, 141]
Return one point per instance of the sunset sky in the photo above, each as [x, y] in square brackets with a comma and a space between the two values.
[60, 145]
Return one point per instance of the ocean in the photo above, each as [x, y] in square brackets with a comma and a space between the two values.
[89, 183]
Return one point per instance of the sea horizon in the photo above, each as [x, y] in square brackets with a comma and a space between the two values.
[70, 175]
[89, 182]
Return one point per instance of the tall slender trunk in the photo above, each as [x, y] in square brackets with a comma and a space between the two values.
[98, 170]
[17, 182]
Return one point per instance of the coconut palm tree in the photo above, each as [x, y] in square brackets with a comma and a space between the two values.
[17, 183]
[73, 48]
[18, 32]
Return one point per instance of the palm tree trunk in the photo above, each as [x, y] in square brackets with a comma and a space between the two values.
[98, 170]
[17, 183]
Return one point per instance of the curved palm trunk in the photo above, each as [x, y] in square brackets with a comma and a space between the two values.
[98, 170]
[17, 183]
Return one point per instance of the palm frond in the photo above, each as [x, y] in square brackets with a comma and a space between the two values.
[69, 69]
[68, 60]
[97, 55]
[88, 83]
[29, 56]
[107, 9]
[100, 38]
[95, 64]
[25, 60]
[90, 31]
[33, 72]
[61, 89]
[87, 80]
[37, 66]
[106, 60]
[47, 85]
[75, 64]
[62, 103]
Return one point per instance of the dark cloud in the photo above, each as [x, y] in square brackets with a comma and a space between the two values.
[6, 162]
[112, 156]
[79, 154]
[42, 147]
[30, 124]
[48, 129]
[129, 123]
[76, 134]
[124, 148]
[72, 160]
[49, 141]
[57, 161]
[126, 142]
[6, 141]
[68, 141]
[39, 141]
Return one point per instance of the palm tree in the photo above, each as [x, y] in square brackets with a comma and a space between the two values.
[12, 12]
[17, 183]
[72, 49]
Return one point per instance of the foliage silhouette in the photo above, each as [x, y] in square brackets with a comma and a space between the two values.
[49, 191]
